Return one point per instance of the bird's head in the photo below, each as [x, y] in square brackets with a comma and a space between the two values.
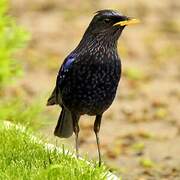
[109, 23]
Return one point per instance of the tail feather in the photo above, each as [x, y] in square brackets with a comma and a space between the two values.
[64, 127]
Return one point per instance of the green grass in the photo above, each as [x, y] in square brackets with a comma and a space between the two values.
[23, 156]
[12, 38]
[29, 114]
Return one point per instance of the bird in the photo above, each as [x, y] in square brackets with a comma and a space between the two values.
[89, 76]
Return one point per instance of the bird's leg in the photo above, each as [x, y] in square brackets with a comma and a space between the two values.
[76, 132]
[97, 124]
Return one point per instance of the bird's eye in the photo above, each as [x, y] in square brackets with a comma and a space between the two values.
[107, 20]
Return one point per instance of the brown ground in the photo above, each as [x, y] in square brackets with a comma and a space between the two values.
[140, 133]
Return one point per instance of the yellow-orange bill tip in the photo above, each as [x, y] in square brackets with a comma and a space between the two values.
[127, 22]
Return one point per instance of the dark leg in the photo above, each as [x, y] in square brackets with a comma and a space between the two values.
[97, 124]
[76, 132]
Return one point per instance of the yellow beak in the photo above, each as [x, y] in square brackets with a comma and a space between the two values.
[127, 22]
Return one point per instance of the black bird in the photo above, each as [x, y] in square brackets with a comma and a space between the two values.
[88, 78]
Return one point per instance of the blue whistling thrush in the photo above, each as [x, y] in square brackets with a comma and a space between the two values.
[88, 78]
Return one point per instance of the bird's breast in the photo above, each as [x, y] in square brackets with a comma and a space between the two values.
[92, 85]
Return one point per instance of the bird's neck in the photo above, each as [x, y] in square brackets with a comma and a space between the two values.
[93, 42]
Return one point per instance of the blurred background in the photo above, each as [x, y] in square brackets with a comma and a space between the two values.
[140, 133]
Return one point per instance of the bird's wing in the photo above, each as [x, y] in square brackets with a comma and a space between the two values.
[65, 68]
[55, 97]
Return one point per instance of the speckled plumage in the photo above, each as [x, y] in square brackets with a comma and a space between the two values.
[87, 80]
[90, 85]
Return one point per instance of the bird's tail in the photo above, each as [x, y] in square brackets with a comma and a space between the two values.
[64, 127]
